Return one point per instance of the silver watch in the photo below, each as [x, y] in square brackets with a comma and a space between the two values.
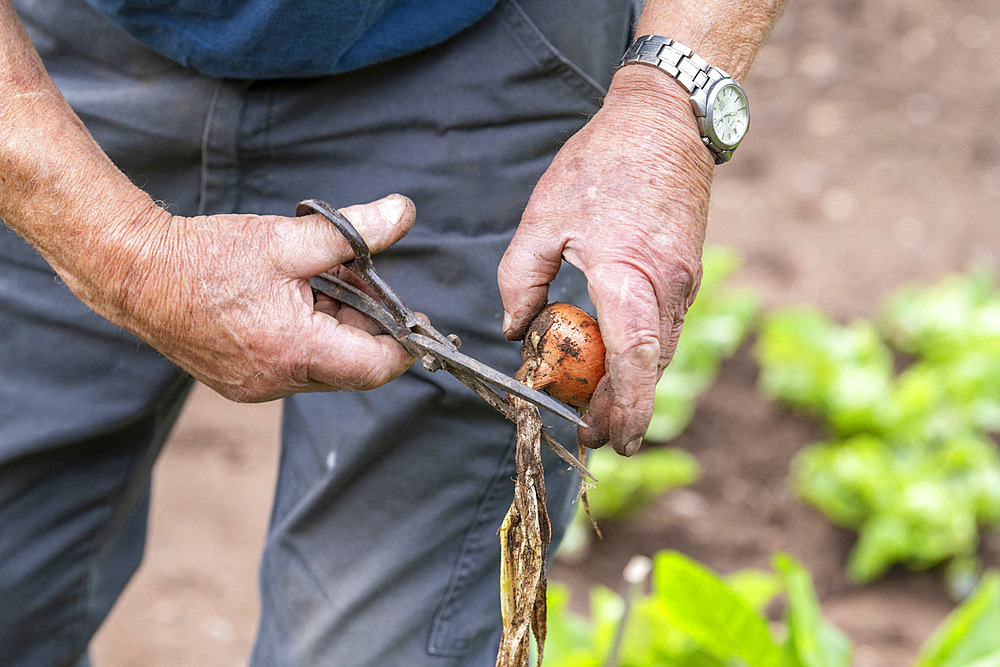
[719, 103]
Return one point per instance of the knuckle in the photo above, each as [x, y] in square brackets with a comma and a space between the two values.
[368, 377]
[633, 374]
[684, 281]
[641, 349]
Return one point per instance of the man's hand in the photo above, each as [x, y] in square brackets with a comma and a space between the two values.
[227, 298]
[625, 201]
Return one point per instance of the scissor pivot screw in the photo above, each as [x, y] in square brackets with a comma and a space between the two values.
[430, 363]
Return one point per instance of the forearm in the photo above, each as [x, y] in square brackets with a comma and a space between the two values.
[726, 33]
[58, 190]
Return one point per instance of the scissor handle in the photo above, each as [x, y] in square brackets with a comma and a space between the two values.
[362, 264]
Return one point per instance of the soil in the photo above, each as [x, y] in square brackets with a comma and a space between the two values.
[873, 160]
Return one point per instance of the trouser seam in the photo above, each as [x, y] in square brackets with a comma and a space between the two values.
[205, 137]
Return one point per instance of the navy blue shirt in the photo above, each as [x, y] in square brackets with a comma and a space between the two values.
[267, 39]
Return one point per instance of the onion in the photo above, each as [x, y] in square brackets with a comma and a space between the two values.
[566, 343]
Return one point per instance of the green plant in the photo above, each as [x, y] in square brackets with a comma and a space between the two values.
[625, 488]
[840, 373]
[916, 503]
[970, 636]
[694, 618]
[959, 314]
[910, 467]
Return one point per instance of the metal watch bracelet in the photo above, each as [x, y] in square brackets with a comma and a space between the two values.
[687, 68]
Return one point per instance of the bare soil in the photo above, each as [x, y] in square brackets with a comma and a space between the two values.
[873, 160]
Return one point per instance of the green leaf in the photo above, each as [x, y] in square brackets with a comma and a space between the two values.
[812, 641]
[701, 604]
[570, 640]
[841, 373]
[970, 636]
[756, 587]
[945, 320]
[914, 502]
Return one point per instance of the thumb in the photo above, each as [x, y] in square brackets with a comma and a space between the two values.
[530, 263]
[319, 246]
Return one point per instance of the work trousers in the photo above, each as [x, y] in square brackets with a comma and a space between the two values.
[382, 546]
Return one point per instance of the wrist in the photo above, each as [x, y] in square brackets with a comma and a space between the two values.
[125, 232]
[659, 107]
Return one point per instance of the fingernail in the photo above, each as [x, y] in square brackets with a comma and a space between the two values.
[392, 208]
[506, 323]
[633, 445]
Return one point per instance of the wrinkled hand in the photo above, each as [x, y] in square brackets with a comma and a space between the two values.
[227, 298]
[625, 201]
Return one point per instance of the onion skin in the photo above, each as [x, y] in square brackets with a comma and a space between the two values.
[567, 343]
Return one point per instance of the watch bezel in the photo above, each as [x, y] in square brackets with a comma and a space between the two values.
[709, 129]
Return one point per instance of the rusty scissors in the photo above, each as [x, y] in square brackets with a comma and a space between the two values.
[435, 350]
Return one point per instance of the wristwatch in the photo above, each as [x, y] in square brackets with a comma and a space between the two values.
[718, 101]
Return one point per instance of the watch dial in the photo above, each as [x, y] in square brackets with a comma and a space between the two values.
[729, 115]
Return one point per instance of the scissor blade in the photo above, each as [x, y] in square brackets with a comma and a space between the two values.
[335, 288]
[501, 405]
[352, 296]
[452, 357]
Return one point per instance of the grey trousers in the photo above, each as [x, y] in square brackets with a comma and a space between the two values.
[382, 547]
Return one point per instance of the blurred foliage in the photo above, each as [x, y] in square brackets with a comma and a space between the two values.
[913, 502]
[843, 374]
[958, 315]
[911, 466]
[970, 636]
[694, 618]
[624, 489]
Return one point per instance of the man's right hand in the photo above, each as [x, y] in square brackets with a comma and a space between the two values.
[227, 298]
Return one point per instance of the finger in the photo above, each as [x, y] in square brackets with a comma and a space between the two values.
[346, 315]
[630, 320]
[310, 245]
[596, 433]
[530, 263]
[345, 357]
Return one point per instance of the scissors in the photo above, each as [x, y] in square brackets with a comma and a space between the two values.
[435, 350]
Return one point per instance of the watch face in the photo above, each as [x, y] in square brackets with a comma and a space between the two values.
[730, 116]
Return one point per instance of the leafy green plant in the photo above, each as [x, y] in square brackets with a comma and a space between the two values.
[626, 486]
[841, 373]
[959, 314]
[623, 489]
[694, 618]
[911, 467]
[916, 503]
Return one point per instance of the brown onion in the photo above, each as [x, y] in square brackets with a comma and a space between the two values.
[566, 341]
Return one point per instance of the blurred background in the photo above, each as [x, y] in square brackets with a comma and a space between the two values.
[873, 163]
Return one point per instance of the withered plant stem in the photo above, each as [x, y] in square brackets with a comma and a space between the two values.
[524, 539]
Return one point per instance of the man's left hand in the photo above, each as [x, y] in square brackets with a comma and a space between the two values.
[626, 202]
